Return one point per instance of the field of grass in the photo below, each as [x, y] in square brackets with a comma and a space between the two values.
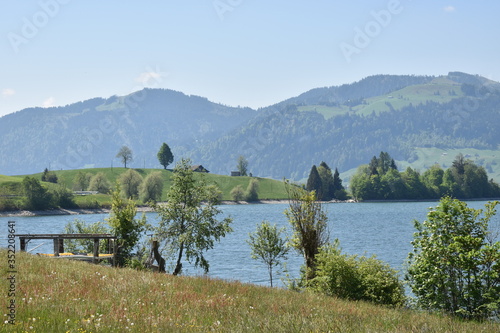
[437, 91]
[68, 296]
[268, 188]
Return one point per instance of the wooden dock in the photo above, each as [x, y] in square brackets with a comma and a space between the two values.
[58, 240]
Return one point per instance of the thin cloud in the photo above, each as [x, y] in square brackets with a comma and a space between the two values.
[8, 92]
[49, 102]
[449, 9]
[145, 77]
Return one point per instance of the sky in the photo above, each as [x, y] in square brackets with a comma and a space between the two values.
[236, 52]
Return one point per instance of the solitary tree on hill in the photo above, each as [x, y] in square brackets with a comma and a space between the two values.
[242, 165]
[165, 155]
[125, 155]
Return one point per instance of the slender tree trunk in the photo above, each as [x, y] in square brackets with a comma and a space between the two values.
[178, 266]
[271, 275]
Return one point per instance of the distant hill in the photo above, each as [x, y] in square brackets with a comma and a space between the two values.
[347, 125]
[344, 126]
[89, 133]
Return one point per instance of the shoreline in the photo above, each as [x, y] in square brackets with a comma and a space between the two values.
[140, 209]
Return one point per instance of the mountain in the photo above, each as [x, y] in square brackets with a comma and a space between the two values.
[346, 125]
[419, 120]
[90, 133]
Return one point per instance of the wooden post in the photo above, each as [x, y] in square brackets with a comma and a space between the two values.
[61, 245]
[56, 247]
[22, 243]
[96, 251]
[115, 250]
[158, 257]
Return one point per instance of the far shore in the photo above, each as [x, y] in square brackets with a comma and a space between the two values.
[81, 211]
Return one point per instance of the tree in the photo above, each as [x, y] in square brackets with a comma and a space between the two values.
[124, 224]
[242, 165]
[125, 155]
[338, 189]
[189, 219]
[99, 183]
[314, 183]
[36, 196]
[327, 181]
[130, 182]
[165, 156]
[252, 192]
[268, 246]
[309, 225]
[454, 266]
[48, 176]
[81, 181]
[237, 193]
[151, 188]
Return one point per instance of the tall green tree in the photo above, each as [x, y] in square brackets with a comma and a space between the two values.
[189, 223]
[130, 182]
[314, 182]
[242, 165]
[125, 155]
[455, 263]
[268, 246]
[165, 156]
[99, 183]
[327, 181]
[36, 196]
[124, 225]
[151, 188]
[338, 189]
[309, 224]
[81, 181]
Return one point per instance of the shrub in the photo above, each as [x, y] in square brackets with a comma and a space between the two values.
[237, 193]
[251, 194]
[356, 277]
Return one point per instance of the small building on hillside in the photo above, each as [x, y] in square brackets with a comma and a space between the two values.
[235, 173]
[199, 168]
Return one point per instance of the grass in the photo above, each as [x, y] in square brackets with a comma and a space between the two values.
[69, 296]
[437, 91]
[268, 188]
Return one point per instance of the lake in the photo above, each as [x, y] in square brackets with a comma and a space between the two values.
[381, 229]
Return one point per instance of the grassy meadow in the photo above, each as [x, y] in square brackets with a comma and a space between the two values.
[268, 188]
[69, 296]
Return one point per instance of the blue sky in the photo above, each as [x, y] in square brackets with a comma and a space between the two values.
[236, 52]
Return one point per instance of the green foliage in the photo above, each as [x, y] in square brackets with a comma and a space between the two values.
[309, 224]
[130, 182]
[48, 176]
[268, 246]
[81, 181]
[455, 263]
[124, 225]
[314, 182]
[242, 165]
[356, 277]
[63, 197]
[151, 188]
[237, 193]
[327, 182]
[165, 156]
[99, 183]
[252, 192]
[78, 226]
[36, 197]
[189, 218]
[125, 155]
[464, 179]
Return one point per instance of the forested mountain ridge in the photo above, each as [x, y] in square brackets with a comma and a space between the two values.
[455, 111]
[344, 126]
[89, 133]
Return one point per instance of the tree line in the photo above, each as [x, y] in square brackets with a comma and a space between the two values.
[381, 180]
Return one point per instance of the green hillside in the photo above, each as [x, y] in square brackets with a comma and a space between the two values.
[439, 90]
[11, 185]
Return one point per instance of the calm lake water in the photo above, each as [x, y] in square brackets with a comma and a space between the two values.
[381, 229]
